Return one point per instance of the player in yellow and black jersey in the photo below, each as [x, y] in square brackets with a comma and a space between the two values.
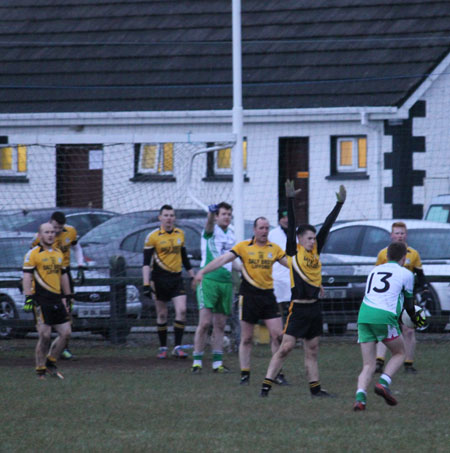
[47, 289]
[413, 263]
[164, 256]
[256, 297]
[66, 239]
[305, 311]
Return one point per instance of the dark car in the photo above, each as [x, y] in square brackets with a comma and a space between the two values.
[125, 236]
[83, 219]
[91, 303]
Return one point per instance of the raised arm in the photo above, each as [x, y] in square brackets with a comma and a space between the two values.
[210, 220]
[331, 218]
[291, 243]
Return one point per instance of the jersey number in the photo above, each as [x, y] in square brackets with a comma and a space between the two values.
[384, 279]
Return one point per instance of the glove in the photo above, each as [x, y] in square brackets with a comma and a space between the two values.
[80, 275]
[213, 208]
[341, 195]
[147, 291]
[29, 304]
[417, 319]
[290, 189]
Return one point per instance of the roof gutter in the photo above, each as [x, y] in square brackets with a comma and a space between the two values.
[197, 117]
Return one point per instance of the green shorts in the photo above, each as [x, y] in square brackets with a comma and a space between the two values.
[217, 296]
[377, 332]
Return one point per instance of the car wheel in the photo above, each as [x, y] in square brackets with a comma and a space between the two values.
[337, 329]
[7, 311]
[435, 319]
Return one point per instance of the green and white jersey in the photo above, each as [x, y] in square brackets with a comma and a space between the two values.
[385, 288]
[216, 244]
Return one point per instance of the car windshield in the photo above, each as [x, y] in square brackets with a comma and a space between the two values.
[432, 244]
[15, 222]
[114, 228]
[13, 251]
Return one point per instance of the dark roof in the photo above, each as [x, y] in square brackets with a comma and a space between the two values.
[170, 55]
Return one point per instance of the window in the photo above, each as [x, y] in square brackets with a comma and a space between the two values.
[374, 240]
[153, 162]
[219, 164]
[351, 154]
[343, 241]
[156, 158]
[348, 158]
[13, 160]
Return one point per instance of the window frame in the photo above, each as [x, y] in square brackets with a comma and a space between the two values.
[142, 174]
[214, 173]
[338, 172]
[14, 171]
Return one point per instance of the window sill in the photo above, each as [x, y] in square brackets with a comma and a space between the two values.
[222, 178]
[14, 179]
[153, 178]
[348, 176]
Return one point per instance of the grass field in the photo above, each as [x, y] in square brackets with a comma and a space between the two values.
[120, 399]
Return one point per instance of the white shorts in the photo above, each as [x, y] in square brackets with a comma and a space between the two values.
[282, 290]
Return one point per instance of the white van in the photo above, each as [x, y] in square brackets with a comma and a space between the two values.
[439, 209]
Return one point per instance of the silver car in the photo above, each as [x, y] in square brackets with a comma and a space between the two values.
[91, 303]
[351, 250]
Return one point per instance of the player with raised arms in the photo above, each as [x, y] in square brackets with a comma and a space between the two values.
[305, 311]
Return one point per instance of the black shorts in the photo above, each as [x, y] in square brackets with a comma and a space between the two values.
[168, 288]
[304, 320]
[51, 313]
[253, 307]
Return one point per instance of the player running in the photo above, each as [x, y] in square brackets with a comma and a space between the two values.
[389, 287]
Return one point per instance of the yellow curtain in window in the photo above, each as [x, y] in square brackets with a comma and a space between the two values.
[224, 158]
[362, 152]
[346, 151]
[21, 159]
[6, 158]
[168, 157]
[244, 150]
[148, 157]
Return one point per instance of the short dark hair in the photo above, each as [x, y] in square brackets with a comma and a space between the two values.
[303, 228]
[282, 212]
[256, 220]
[166, 207]
[396, 251]
[59, 217]
[224, 205]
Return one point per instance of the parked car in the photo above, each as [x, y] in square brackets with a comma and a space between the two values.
[439, 209]
[103, 241]
[119, 237]
[90, 302]
[351, 250]
[83, 219]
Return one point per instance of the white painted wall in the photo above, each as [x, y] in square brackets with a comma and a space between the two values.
[436, 127]
[260, 193]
